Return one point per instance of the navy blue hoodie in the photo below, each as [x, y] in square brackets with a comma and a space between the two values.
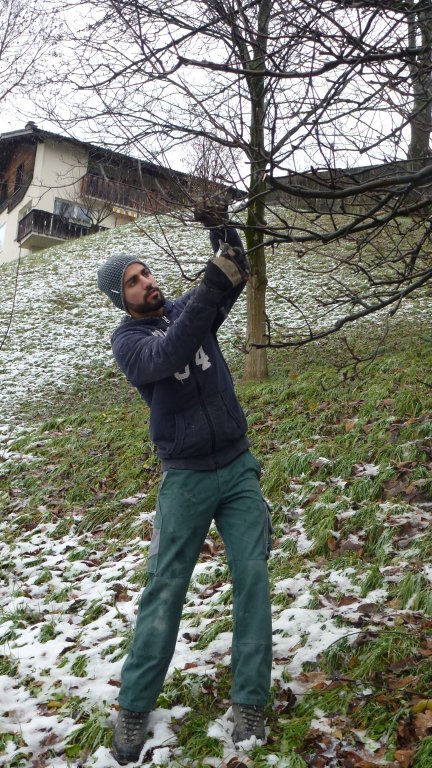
[175, 362]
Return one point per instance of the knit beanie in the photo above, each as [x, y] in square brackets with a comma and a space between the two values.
[110, 277]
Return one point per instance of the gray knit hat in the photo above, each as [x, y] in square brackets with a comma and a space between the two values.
[110, 277]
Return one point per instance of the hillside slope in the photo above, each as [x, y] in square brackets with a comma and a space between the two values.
[347, 469]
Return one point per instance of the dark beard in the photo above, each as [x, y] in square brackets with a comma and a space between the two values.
[149, 305]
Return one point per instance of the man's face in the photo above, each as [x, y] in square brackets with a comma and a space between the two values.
[141, 292]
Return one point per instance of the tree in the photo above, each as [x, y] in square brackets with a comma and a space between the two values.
[209, 164]
[311, 95]
[27, 34]
[419, 20]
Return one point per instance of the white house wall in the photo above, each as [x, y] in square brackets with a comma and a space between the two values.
[58, 170]
[59, 167]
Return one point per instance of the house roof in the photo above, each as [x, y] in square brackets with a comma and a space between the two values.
[34, 135]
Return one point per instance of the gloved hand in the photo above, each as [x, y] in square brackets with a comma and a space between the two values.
[238, 256]
[212, 211]
[222, 273]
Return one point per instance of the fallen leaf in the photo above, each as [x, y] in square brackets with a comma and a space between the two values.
[351, 545]
[368, 608]
[240, 762]
[347, 600]
[423, 724]
[350, 424]
[401, 682]
[40, 762]
[55, 704]
[315, 679]
[404, 757]
[49, 739]
[120, 593]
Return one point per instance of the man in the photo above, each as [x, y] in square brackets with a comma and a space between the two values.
[169, 352]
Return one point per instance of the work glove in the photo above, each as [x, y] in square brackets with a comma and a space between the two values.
[238, 256]
[228, 237]
[222, 272]
[212, 211]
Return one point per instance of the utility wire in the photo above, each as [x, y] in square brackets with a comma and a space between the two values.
[13, 301]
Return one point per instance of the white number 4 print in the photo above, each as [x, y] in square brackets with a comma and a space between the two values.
[201, 359]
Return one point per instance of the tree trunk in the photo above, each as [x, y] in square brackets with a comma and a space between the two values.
[256, 358]
[420, 32]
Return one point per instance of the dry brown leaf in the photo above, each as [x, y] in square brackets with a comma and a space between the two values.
[423, 724]
[363, 759]
[368, 608]
[40, 762]
[347, 600]
[404, 757]
[121, 594]
[350, 545]
[49, 739]
[350, 424]
[401, 682]
[315, 679]
[240, 762]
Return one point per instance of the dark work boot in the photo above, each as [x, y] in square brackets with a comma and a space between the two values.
[130, 733]
[248, 722]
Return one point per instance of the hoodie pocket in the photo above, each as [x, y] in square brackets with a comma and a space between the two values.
[207, 427]
[234, 410]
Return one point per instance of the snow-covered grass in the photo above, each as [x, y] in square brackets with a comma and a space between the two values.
[61, 322]
[347, 469]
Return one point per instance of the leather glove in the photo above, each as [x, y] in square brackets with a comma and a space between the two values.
[222, 273]
[238, 256]
[212, 212]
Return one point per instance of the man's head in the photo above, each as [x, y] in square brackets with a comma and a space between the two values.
[129, 284]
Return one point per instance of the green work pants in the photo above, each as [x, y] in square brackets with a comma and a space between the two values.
[187, 502]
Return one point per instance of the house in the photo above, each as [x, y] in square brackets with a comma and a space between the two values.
[355, 190]
[54, 187]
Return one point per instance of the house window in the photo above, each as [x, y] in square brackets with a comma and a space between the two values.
[72, 211]
[25, 210]
[3, 190]
[19, 177]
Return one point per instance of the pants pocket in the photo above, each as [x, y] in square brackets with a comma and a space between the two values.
[153, 551]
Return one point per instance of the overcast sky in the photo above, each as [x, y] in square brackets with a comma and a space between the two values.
[10, 119]
[16, 111]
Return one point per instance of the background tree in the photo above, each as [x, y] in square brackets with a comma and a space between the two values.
[29, 30]
[209, 165]
[311, 95]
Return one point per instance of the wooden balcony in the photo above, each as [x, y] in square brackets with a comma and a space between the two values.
[39, 229]
[124, 195]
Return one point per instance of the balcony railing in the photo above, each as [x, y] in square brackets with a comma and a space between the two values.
[123, 195]
[50, 225]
